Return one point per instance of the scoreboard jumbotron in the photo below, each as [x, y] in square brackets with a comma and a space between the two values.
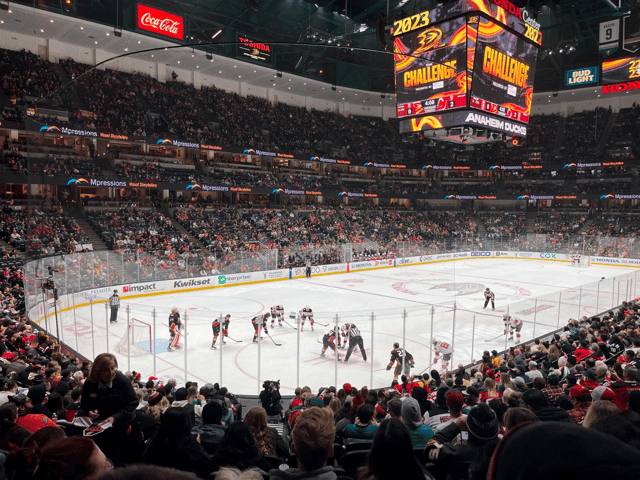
[465, 70]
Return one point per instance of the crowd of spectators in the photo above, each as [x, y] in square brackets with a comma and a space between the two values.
[578, 388]
[504, 223]
[138, 230]
[614, 225]
[559, 226]
[156, 172]
[41, 232]
[582, 134]
[585, 188]
[25, 74]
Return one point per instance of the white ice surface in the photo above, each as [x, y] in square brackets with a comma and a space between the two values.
[383, 295]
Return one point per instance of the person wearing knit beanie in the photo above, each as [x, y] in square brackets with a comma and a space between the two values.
[420, 434]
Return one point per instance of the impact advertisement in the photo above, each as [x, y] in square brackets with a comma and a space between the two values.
[621, 70]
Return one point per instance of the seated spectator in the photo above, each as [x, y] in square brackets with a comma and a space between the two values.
[391, 456]
[44, 437]
[537, 402]
[622, 387]
[460, 460]
[312, 443]
[581, 400]
[12, 435]
[598, 410]
[542, 450]
[238, 449]
[268, 440]
[420, 434]
[365, 427]
[32, 422]
[212, 431]
[174, 446]
[516, 416]
[74, 458]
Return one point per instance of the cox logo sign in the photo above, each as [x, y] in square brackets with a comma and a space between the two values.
[426, 259]
[480, 254]
[547, 255]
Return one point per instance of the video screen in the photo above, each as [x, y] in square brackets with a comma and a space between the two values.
[430, 68]
[503, 73]
[621, 70]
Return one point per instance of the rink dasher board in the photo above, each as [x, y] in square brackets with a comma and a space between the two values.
[195, 284]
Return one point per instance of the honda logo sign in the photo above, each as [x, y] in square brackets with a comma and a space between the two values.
[160, 22]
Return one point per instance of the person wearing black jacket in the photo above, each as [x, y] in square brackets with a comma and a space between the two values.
[270, 398]
[108, 398]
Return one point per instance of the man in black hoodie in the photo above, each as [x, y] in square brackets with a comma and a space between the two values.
[538, 403]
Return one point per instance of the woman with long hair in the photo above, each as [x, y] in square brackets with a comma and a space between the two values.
[489, 390]
[174, 445]
[391, 455]
[268, 441]
[238, 449]
[505, 382]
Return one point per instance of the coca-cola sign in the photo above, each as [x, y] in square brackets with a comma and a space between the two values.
[160, 22]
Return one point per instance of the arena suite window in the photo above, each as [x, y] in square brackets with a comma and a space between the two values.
[270, 397]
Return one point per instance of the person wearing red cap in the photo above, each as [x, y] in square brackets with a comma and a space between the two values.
[581, 399]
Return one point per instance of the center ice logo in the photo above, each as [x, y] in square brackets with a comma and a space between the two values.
[460, 288]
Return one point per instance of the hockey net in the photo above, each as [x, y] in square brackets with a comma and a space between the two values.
[581, 261]
[136, 341]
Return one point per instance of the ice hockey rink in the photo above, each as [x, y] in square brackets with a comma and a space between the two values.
[410, 305]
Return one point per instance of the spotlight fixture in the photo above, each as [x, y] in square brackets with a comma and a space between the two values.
[333, 87]
[117, 32]
[279, 73]
[209, 56]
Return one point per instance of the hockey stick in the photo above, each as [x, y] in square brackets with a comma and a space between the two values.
[494, 338]
[237, 341]
[321, 324]
[428, 367]
[276, 343]
[295, 328]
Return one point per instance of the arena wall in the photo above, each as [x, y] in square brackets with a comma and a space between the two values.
[68, 302]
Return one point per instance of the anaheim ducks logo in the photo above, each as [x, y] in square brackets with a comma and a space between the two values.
[460, 288]
[429, 39]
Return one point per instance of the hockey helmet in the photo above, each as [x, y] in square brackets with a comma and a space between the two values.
[434, 341]
[396, 345]
[174, 309]
[228, 315]
[486, 289]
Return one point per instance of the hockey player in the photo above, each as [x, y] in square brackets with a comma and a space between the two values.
[307, 269]
[277, 312]
[306, 313]
[225, 325]
[215, 326]
[575, 259]
[515, 324]
[489, 297]
[259, 321]
[351, 331]
[444, 349]
[175, 326]
[404, 361]
[174, 332]
[328, 341]
[174, 317]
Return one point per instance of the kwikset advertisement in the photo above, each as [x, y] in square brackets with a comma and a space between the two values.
[503, 73]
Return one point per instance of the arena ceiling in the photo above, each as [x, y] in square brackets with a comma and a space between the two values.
[307, 31]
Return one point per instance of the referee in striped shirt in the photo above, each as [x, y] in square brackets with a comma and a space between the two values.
[114, 302]
[351, 331]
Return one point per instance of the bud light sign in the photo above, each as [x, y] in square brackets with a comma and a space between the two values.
[160, 22]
